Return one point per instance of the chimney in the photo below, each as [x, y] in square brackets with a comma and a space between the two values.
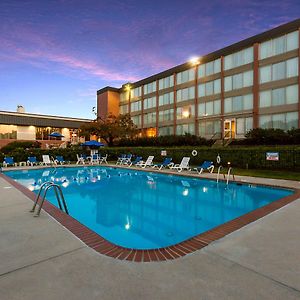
[20, 109]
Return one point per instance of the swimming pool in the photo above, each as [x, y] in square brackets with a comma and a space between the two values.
[145, 210]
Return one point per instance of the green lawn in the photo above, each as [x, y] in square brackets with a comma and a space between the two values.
[289, 175]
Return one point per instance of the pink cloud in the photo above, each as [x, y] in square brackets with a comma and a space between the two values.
[41, 51]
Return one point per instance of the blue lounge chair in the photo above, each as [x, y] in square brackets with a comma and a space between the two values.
[127, 159]
[59, 160]
[121, 158]
[167, 162]
[9, 161]
[31, 161]
[206, 165]
[136, 161]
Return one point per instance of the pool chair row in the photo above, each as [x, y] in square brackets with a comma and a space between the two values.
[125, 159]
[32, 161]
[95, 159]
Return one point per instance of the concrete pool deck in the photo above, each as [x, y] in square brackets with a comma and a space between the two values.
[41, 259]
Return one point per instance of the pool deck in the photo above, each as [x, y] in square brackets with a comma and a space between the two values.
[40, 259]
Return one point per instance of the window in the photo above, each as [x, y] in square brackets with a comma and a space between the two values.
[150, 88]
[209, 88]
[209, 68]
[185, 76]
[283, 121]
[166, 99]
[279, 45]
[149, 118]
[137, 92]
[209, 108]
[136, 106]
[123, 109]
[238, 81]
[124, 97]
[281, 96]
[243, 125]
[10, 132]
[238, 103]
[149, 102]
[285, 69]
[238, 59]
[209, 128]
[166, 115]
[136, 120]
[186, 94]
[185, 128]
[168, 130]
[185, 112]
[166, 82]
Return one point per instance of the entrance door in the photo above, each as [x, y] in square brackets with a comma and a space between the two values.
[229, 129]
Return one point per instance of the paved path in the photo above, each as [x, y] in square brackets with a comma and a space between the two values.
[39, 259]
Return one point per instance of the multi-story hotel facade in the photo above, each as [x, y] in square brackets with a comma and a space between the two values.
[253, 83]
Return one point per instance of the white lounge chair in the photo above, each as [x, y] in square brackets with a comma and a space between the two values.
[80, 160]
[184, 165]
[103, 159]
[147, 163]
[46, 160]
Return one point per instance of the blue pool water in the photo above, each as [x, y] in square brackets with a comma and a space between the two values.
[144, 210]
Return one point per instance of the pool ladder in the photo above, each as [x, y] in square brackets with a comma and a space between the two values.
[229, 172]
[45, 187]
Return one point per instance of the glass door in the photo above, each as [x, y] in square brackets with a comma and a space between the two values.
[229, 129]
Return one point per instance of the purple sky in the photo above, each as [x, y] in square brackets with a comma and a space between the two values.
[55, 54]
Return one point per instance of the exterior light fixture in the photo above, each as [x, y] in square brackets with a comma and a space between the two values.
[128, 87]
[194, 61]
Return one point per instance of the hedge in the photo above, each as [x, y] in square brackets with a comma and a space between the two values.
[241, 157]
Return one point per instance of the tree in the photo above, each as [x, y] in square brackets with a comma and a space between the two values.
[111, 128]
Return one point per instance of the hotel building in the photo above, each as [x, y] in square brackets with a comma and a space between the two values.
[31, 127]
[253, 83]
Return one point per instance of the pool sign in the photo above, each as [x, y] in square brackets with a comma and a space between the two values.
[274, 156]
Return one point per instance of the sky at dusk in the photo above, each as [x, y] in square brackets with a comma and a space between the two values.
[56, 54]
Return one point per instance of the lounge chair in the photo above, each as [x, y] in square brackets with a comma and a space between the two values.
[206, 165]
[147, 163]
[121, 159]
[95, 159]
[184, 165]
[167, 163]
[32, 161]
[103, 159]
[136, 161]
[9, 161]
[46, 160]
[59, 160]
[80, 159]
[127, 159]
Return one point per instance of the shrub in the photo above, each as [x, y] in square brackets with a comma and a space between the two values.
[20, 145]
[168, 140]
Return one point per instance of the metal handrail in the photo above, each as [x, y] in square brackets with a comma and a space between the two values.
[38, 195]
[218, 175]
[58, 193]
[228, 175]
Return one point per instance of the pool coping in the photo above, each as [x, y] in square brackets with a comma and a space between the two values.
[103, 246]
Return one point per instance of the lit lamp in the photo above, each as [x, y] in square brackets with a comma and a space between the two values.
[186, 113]
[194, 61]
[128, 87]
